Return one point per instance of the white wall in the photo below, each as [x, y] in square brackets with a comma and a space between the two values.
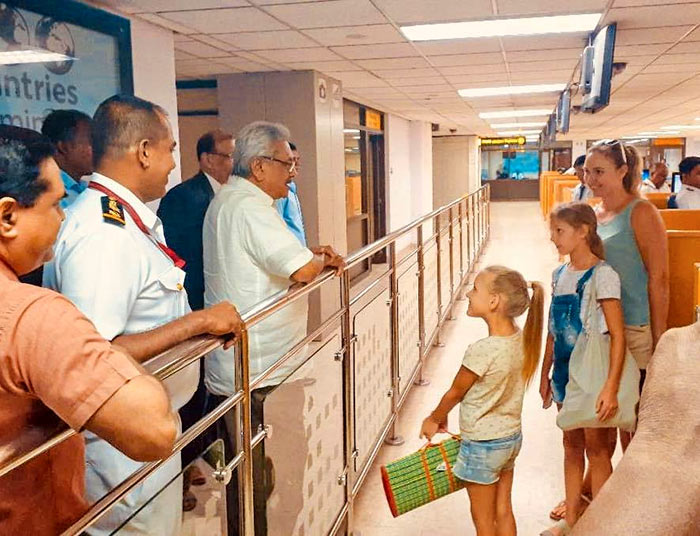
[692, 146]
[456, 168]
[153, 54]
[578, 148]
[409, 172]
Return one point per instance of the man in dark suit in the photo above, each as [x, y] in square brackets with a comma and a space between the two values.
[182, 212]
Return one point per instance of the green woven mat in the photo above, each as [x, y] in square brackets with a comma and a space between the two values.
[415, 480]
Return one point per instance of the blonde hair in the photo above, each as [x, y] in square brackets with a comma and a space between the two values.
[613, 150]
[513, 287]
[577, 215]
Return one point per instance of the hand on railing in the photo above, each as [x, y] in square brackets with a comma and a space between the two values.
[331, 258]
[222, 319]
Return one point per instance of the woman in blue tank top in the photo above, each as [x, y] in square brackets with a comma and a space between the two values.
[636, 246]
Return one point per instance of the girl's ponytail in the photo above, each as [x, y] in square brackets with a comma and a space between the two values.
[514, 288]
[532, 332]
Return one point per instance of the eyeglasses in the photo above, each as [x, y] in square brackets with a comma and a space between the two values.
[610, 143]
[225, 155]
[291, 165]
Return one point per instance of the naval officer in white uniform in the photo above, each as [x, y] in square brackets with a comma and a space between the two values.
[112, 262]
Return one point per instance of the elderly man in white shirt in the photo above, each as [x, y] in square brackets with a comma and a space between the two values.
[249, 255]
[112, 262]
[656, 183]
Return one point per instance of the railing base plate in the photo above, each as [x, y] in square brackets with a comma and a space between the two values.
[421, 382]
[395, 441]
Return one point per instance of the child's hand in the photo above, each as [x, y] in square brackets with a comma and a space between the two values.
[431, 427]
[606, 405]
[546, 392]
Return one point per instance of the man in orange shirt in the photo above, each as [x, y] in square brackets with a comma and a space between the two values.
[55, 365]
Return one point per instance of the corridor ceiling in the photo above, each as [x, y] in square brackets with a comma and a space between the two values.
[359, 42]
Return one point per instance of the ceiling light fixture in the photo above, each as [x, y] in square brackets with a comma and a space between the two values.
[351, 130]
[658, 133]
[510, 90]
[518, 125]
[31, 55]
[502, 27]
[517, 132]
[514, 113]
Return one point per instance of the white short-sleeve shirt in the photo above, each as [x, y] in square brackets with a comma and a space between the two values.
[118, 277]
[688, 197]
[250, 255]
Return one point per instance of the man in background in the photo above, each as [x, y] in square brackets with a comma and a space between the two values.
[289, 207]
[689, 196]
[69, 131]
[581, 192]
[656, 183]
[182, 212]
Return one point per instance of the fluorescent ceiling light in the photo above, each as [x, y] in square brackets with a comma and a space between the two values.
[517, 125]
[502, 27]
[517, 132]
[351, 130]
[510, 90]
[514, 113]
[31, 55]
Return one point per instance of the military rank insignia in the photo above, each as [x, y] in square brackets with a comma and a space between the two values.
[112, 211]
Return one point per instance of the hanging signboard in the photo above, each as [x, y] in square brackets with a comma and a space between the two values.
[97, 47]
[517, 140]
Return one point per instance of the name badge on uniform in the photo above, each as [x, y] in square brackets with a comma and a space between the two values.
[113, 211]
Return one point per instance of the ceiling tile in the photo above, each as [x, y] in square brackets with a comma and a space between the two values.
[406, 73]
[359, 79]
[628, 51]
[650, 36]
[428, 90]
[180, 55]
[653, 16]
[325, 66]
[534, 8]
[169, 24]
[686, 58]
[356, 35]
[392, 50]
[298, 54]
[328, 14]
[394, 63]
[471, 81]
[682, 69]
[467, 59]
[201, 50]
[539, 66]
[422, 11]
[545, 54]
[419, 81]
[213, 21]
[684, 47]
[154, 6]
[547, 42]
[267, 40]
[474, 69]
[245, 64]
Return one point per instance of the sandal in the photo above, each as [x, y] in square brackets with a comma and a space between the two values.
[561, 528]
[554, 515]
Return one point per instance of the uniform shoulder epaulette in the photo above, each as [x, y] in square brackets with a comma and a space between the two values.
[112, 211]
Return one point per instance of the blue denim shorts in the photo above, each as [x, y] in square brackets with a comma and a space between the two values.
[482, 462]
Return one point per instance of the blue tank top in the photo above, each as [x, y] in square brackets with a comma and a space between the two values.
[622, 253]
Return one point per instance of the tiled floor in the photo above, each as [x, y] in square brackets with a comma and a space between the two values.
[519, 239]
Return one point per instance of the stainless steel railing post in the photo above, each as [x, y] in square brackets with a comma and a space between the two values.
[348, 396]
[421, 380]
[436, 228]
[246, 475]
[393, 438]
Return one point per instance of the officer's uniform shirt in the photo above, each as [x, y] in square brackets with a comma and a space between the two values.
[581, 192]
[120, 280]
[688, 197]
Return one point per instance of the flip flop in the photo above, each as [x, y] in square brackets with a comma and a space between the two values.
[560, 528]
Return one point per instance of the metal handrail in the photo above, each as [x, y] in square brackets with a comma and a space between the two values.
[182, 355]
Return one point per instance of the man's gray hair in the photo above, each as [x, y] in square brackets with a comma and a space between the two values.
[254, 140]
